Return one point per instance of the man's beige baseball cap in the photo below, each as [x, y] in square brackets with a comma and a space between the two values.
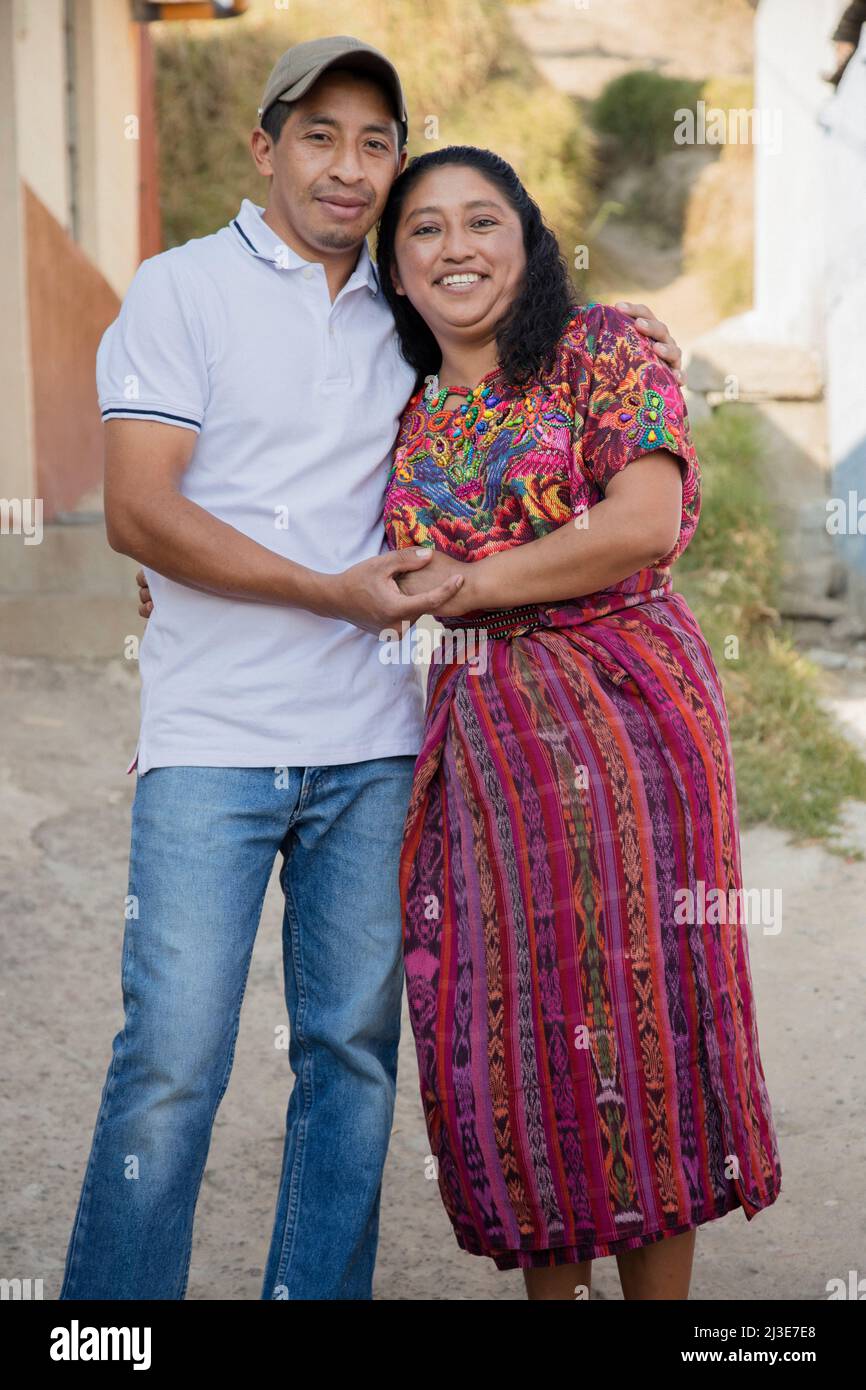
[299, 67]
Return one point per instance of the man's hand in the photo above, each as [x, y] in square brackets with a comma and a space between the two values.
[369, 595]
[651, 327]
[145, 602]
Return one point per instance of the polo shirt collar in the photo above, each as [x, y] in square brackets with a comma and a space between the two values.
[258, 239]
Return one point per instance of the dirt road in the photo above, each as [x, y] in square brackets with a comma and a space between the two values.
[69, 730]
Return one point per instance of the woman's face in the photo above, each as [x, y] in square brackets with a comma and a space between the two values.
[458, 252]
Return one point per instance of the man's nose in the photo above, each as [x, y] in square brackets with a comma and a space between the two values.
[346, 165]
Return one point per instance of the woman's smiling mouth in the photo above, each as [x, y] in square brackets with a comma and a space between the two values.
[460, 281]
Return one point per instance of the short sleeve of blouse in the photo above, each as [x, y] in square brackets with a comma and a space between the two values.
[631, 406]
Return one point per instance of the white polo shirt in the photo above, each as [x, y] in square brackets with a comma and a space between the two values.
[296, 403]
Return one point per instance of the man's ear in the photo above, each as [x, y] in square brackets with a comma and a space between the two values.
[403, 159]
[261, 147]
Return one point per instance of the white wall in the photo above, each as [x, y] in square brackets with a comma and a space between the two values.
[106, 95]
[106, 48]
[792, 49]
[843, 196]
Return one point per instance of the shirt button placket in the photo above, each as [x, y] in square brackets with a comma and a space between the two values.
[337, 367]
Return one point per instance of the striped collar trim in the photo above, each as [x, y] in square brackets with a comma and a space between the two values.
[255, 235]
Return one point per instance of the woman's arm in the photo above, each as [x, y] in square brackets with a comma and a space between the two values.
[636, 523]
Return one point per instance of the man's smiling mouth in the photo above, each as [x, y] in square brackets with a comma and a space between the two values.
[343, 207]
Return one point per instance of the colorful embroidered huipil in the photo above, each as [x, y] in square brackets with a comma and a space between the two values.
[588, 1051]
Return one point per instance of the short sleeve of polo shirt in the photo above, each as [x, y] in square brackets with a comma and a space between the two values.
[152, 361]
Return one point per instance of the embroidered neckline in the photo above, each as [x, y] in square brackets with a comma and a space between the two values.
[434, 396]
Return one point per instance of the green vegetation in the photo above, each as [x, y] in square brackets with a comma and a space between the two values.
[793, 768]
[638, 110]
[700, 195]
[467, 80]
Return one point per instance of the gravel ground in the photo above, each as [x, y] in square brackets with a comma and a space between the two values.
[64, 806]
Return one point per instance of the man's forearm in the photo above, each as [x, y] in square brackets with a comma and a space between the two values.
[181, 540]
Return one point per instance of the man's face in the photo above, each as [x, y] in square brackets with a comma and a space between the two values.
[334, 162]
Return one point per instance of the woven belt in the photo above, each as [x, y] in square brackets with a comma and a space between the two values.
[499, 622]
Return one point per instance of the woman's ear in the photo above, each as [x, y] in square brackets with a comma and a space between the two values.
[395, 279]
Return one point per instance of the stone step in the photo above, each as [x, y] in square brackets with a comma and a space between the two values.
[71, 627]
[721, 363]
[70, 596]
[799, 604]
[68, 627]
[72, 558]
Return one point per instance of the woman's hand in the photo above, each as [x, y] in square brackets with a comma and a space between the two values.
[646, 323]
[438, 570]
[145, 602]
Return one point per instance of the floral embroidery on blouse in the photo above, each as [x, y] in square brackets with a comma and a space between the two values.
[506, 466]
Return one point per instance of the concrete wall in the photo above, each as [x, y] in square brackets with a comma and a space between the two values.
[40, 95]
[810, 231]
[78, 210]
[792, 49]
[17, 469]
[101, 125]
[843, 195]
[107, 105]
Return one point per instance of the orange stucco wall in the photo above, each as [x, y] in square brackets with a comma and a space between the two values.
[70, 305]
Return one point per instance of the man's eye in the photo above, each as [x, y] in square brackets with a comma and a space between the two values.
[377, 144]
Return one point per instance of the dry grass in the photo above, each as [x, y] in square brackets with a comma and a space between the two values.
[718, 237]
[459, 62]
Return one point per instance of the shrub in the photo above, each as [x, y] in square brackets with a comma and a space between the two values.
[637, 110]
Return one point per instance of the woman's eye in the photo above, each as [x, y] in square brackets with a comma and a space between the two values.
[427, 228]
[485, 222]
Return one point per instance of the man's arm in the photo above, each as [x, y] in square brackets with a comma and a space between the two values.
[148, 518]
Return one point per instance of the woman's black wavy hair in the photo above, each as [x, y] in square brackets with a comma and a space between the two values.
[527, 336]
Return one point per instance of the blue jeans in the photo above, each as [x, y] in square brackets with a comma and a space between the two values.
[204, 841]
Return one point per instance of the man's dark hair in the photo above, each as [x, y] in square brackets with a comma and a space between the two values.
[275, 117]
